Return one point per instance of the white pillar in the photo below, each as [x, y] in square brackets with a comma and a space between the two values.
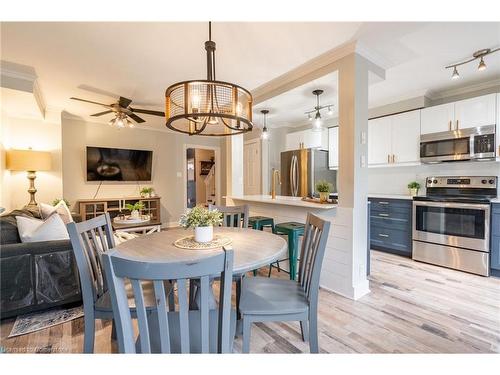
[234, 166]
[353, 173]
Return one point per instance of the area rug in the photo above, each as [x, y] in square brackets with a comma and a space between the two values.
[37, 321]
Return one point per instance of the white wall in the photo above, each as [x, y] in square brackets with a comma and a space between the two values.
[20, 133]
[168, 162]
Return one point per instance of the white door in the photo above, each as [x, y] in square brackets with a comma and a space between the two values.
[251, 168]
[333, 148]
[379, 141]
[474, 112]
[406, 137]
[439, 118]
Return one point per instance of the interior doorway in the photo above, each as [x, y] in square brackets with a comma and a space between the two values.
[201, 184]
[252, 171]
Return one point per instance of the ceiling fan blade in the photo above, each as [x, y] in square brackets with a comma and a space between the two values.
[148, 112]
[136, 118]
[124, 102]
[90, 101]
[101, 113]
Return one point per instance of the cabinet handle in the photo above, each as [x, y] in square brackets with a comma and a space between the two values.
[384, 215]
[449, 125]
[383, 235]
[382, 202]
[388, 158]
[393, 158]
[457, 126]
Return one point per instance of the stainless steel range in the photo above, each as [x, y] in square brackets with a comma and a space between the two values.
[451, 224]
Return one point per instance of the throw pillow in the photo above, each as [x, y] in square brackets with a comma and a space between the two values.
[35, 230]
[61, 208]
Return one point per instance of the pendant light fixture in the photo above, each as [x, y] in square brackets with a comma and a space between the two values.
[265, 132]
[208, 107]
[318, 122]
[476, 55]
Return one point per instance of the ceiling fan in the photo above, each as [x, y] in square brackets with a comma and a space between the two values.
[122, 111]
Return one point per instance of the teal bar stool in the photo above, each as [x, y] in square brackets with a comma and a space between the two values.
[259, 223]
[293, 230]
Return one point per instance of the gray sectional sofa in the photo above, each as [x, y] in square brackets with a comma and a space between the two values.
[34, 276]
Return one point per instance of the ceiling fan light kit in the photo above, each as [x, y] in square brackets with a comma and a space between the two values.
[123, 112]
[208, 107]
[480, 54]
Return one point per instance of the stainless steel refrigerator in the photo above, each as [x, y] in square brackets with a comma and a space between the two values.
[301, 169]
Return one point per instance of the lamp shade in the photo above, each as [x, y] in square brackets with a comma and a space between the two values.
[28, 160]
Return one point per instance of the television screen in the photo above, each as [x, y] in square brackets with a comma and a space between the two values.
[115, 164]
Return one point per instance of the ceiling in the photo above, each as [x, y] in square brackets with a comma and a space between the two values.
[101, 61]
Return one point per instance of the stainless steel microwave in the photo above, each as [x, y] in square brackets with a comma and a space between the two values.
[465, 144]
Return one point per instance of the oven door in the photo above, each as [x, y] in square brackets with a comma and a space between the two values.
[464, 225]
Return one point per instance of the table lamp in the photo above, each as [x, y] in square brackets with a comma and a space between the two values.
[31, 162]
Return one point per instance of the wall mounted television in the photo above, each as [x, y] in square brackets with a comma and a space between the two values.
[116, 164]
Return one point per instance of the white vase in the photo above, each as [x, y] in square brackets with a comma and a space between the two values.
[135, 214]
[204, 234]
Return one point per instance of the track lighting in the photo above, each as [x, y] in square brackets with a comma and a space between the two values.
[476, 55]
[318, 123]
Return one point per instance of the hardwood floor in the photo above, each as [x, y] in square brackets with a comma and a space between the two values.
[413, 308]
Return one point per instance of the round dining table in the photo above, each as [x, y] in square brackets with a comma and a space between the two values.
[252, 248]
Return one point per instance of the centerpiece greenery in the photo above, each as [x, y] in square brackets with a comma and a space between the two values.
[135, 209]
[203, 221]
[324, 188]
[414, 186]
[57, 200]
[147, 191]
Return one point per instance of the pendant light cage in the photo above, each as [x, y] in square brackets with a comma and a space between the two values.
[207, 107]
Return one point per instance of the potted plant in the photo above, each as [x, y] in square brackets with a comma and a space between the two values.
[147, 192]
[203, 221]
[413, 186]
[135, 209]
[324, 188]
[56, 201]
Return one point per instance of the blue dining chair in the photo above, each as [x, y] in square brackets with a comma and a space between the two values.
[183, 331]
[268, 299]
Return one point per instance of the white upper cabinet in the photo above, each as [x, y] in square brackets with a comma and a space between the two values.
[406, 137]
[379, 141]
[394, 140]
[308, 139]
[474, 112]
[463, 114]
[439, 118]
[333, 148]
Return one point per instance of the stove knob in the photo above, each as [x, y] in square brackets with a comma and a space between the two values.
[435, 181]
[491, 182]
[483, 181]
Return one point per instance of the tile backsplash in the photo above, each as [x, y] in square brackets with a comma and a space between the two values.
[394, 180]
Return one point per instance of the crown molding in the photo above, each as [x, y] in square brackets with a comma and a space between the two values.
[441, 94]
[315, 68]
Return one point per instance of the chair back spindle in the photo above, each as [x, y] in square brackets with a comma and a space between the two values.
[234, 216]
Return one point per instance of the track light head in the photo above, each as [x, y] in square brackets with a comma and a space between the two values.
[482, 65]
[455, 74]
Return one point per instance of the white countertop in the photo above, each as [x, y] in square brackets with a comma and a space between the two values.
[495, 200]
[282, 200]
[390, 196]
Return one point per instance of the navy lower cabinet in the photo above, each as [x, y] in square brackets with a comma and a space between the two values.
[495, 240]
[391, 225]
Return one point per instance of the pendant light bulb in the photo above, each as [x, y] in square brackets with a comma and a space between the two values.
[265, 134]
[330, 111]
[455, 74]
[482, 65]
[317, 125]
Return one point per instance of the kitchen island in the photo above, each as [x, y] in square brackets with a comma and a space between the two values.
[337, 254]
